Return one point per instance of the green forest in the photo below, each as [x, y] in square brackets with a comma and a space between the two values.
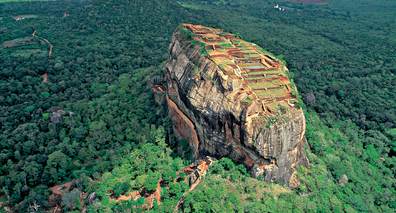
[76, 104]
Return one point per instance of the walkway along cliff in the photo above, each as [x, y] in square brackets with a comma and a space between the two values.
[229, 97]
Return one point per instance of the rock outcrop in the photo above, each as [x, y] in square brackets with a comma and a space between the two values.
[229, 97]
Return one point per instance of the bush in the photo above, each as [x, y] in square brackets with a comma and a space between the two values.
[121, 188]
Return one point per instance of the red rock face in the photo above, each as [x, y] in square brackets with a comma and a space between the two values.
[207, 109]
[183, 126]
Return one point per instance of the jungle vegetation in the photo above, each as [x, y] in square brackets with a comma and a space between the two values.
[95, 117]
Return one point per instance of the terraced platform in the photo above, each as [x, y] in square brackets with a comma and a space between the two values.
[262, 75]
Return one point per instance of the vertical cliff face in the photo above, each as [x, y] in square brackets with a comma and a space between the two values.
[229, 97]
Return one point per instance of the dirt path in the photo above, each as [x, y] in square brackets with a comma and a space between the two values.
[131, 196]
[181, 200]
[195, 173]
[50, 46]
[201, 169]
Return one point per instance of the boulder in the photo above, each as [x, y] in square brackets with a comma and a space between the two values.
[219, 103]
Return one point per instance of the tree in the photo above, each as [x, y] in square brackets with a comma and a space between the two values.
[121, 188]
[57, 167]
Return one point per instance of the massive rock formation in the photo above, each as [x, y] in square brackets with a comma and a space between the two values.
[229, 97]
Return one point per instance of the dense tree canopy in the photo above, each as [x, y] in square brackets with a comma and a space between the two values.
[86, 111]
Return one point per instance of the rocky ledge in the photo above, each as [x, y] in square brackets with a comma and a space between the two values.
[229, 97]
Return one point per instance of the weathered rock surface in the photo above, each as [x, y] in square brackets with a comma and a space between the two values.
[209, 108]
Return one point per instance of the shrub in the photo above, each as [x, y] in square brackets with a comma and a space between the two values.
[121, 188]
